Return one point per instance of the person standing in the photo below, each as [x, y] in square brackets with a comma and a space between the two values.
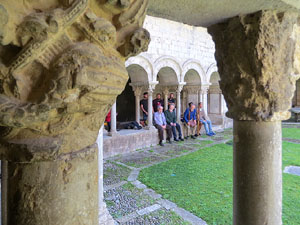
[157, 102]
[204, 119]
[171, 120]
[161, 124]
[171, 99]
[189, 118]
[144, 107]
[108, 121]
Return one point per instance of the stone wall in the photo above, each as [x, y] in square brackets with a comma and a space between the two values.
[180, 41]
[128, 141]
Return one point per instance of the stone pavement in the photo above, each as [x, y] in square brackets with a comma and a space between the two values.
[132, 203]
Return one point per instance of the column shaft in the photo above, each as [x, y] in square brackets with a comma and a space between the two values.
[137, 109]
[113, 119]
[104, 216]
[165, 101]
[257, 173]
[178, 107]
[54, 192]
[150, 111]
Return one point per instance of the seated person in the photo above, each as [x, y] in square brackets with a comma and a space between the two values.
[161, 124]
[204, 119]
[171, 120]
[189, 118]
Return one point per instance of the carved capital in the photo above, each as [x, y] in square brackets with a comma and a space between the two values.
[61, 67]
[258, 61]
[179, 88]
[166, 90]
[137, 90]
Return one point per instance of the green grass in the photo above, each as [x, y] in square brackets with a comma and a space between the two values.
[293, 133]
[201, 182]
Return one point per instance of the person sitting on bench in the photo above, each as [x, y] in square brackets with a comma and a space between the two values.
[204, 119]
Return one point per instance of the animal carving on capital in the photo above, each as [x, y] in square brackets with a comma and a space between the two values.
[62, 66]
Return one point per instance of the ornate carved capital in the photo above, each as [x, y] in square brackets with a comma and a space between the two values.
[137, 90]
[61, 67]
[258, 61]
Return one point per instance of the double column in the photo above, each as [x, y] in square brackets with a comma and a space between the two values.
[204, 100]
[258, 92]
[166, 96]
[137, 93]
[113, 130]
[178, 99]
[151, 89]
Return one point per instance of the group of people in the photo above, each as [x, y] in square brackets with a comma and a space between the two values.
[166, 120]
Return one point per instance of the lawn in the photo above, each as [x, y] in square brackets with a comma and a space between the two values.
[201, 182]
[293, 133]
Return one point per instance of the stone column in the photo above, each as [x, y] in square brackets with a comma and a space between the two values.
[150, 106]
[258, 91]
[204, 91]
[166, 95]
[56, 91]
[104, 216]
[113, 131]
[137, 93]
[178, 99]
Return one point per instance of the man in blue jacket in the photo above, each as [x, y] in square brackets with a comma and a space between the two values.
[189, 117]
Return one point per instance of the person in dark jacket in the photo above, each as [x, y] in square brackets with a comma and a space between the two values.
[171, 120]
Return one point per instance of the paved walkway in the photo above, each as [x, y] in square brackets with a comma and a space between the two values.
[130, 202]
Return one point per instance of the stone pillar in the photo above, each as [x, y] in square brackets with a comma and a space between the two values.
[104, 216]
[166, 95]
[258, 92]
[178, 106]
[113, 130]
[137, 93]
[150, 106]
[257, 173]
[54, 192]
[204, 92]
[55, 93]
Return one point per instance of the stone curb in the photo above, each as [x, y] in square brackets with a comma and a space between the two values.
[108, 187]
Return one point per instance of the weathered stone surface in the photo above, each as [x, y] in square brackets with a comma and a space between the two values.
[60, 71]
[258, 61]
[44, 193]
[61, 68]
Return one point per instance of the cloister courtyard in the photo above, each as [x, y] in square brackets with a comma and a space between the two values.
[189, 182]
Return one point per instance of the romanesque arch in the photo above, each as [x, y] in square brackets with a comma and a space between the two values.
[140, 63]
[211, 69]
[192, 64]
[167, 61]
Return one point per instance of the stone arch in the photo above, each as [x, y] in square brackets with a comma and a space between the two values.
[194, 65]
[211, 69]
[167, 61]
[141, 62]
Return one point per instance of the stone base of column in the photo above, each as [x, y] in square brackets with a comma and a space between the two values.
[113, 133]
[150, 128]
[104, 217]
